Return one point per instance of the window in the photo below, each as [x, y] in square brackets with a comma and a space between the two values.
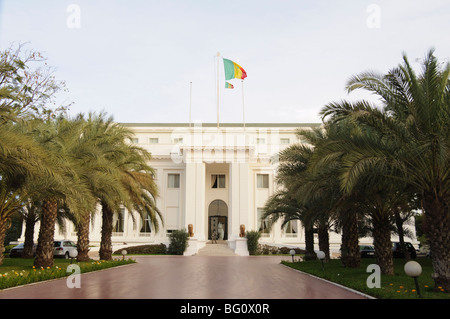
[153, 140]
[217, 181]
[291, 228]
[260, 141]
[134, 140]
[69, 244]
[263, 223]
[118, 220]
[284, 141]
[262, 180]
[178, 140]
[146, 224]
[173, 181]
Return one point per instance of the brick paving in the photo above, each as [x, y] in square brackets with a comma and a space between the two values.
[194, 277]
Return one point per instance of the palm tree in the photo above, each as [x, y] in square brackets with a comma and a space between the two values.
[24, 94]
[282, 206]
[100, 139]
[322, 185]
[414, 142]
[20, 159]
[31, 214]
[118, 175]
[136, 178]
[10, 202]
[65, 186]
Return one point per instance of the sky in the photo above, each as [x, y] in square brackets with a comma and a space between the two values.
[155, 61]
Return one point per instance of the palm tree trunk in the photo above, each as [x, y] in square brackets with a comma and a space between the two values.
[401, 235]
[30, 222]
[3, 228]
[324, 240]
[350, 255]
[45, 246]
[382, 243]
[83, 238]
[105, 251]
[309, 243]
[437, 214]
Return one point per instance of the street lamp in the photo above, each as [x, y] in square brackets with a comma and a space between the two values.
[124, 253]
[321, 255]
[414, 270]
[73, 254]
[292, 252]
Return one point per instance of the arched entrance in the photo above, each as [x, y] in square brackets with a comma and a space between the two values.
[218, 219]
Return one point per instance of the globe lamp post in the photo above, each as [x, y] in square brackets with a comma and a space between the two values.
[414, 270]
[73, 254]
[321, 255]
[292, 252]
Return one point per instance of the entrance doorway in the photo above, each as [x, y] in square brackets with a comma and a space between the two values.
[218, 220]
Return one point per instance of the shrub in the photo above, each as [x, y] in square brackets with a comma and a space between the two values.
[160, 249]
[287, 251]
[267, 250]
[252, 241]
[178, 242]
[31, 274]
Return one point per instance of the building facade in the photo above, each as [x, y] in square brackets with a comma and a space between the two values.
[215, 179]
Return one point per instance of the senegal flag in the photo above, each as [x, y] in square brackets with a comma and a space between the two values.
[233, 70]
[229, 85]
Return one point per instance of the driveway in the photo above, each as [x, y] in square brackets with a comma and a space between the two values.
[197, 277]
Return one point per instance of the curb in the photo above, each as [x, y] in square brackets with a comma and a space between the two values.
[334, 283]
[61, 278]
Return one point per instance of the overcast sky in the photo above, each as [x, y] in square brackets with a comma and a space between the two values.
[135, 59]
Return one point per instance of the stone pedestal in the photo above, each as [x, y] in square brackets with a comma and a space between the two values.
[239, 245]
[192, 248]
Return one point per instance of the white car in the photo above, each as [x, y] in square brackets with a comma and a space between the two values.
[63, 248]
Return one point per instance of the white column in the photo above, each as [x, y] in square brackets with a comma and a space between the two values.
[200, 210]
[239, 197]
[195, 198]
[245, 194]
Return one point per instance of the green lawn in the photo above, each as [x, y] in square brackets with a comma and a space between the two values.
[399, 286]
[20, 271]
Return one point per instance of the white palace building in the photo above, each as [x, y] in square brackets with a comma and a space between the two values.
[213, 178]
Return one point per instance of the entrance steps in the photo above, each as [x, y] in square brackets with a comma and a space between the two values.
[219, 249]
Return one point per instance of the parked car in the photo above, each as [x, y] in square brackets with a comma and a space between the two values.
[17, 251]
[62, 248]
[424, 250]
[367, 251]
[397, 251]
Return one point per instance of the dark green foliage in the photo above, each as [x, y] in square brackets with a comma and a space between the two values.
[160, 249]
[178, 242]
[252, 241]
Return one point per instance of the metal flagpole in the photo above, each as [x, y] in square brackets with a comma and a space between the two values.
[243, 108]
[190, 104]
[218, 58]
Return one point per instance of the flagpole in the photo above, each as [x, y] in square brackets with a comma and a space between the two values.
[218, 58]
[243, 107]
[190, 104]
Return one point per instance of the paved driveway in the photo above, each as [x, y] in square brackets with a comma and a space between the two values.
[197, 277]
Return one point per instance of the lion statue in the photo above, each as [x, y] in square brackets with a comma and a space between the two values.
[242, 231]
[191, 230]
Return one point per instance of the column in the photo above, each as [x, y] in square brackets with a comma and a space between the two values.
[195, 198]
[239, 206]
[239, 197]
